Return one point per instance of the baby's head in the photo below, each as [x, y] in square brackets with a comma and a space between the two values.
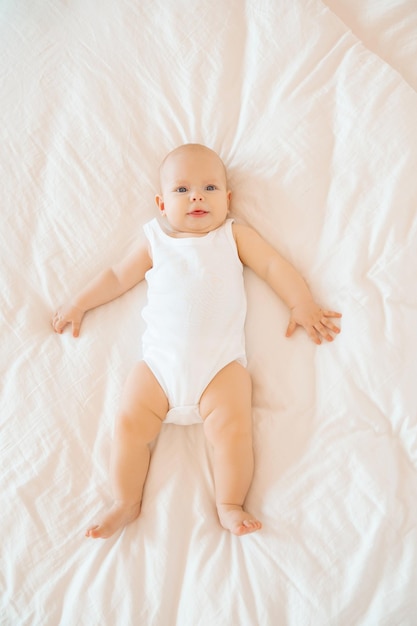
[194, 197]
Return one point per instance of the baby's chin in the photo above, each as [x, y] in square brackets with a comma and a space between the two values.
[196, 225]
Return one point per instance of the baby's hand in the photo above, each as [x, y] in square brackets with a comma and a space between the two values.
[68, 314]
[314, 320]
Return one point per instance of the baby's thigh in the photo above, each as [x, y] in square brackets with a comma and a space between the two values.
[229, 395]
[142, 394]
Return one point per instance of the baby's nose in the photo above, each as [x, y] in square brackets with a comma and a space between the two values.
[196, 196]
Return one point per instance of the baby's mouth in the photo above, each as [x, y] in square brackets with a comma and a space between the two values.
[198, 212]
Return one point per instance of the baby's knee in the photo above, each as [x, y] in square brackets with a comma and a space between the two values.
[142, 427]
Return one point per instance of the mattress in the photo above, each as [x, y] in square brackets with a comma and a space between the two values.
[312, 106]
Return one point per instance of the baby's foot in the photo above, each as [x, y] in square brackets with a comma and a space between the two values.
[120, 514]
[234, 518]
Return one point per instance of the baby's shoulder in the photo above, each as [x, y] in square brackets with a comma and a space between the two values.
[242, 231]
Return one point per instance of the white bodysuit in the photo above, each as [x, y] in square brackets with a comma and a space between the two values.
[195, 314]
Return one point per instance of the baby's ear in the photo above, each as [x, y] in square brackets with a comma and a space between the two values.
[229, 197]
[160, 203]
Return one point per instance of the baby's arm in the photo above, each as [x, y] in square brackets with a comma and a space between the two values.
[287, 283]
[108, 285]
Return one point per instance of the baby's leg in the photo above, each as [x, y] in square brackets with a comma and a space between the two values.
[227, 412]
[143, 408]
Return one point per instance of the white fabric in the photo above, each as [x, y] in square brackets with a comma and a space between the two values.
[195, 314]
[318, 130]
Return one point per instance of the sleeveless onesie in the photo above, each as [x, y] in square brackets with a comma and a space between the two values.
[195, 314]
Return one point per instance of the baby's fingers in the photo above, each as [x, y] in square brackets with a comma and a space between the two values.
[325, 325]
[314, 334]
[327, 322]
[291, 328]
[331, 314]
[323, 328]
[58, 323]
[75, 329]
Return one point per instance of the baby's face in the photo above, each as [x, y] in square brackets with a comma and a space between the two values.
[194, 198]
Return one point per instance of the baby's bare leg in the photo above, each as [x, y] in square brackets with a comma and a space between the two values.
[227, 412]
[143, 408]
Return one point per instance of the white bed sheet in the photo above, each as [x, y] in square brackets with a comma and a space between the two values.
[317, 124]
[388, 28]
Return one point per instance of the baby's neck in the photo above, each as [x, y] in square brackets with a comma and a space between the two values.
[177, 234]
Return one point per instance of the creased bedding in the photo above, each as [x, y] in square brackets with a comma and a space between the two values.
[313, 107]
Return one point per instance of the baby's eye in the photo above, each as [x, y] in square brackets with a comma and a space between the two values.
[210, 187]
[181, 189]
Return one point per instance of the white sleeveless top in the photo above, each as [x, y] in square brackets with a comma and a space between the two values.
[196, 307]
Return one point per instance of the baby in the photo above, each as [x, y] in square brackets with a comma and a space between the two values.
[193, 366]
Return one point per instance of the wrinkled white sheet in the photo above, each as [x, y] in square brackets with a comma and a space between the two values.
[313, 108]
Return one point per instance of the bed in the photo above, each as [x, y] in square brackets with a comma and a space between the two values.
[313, 107]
